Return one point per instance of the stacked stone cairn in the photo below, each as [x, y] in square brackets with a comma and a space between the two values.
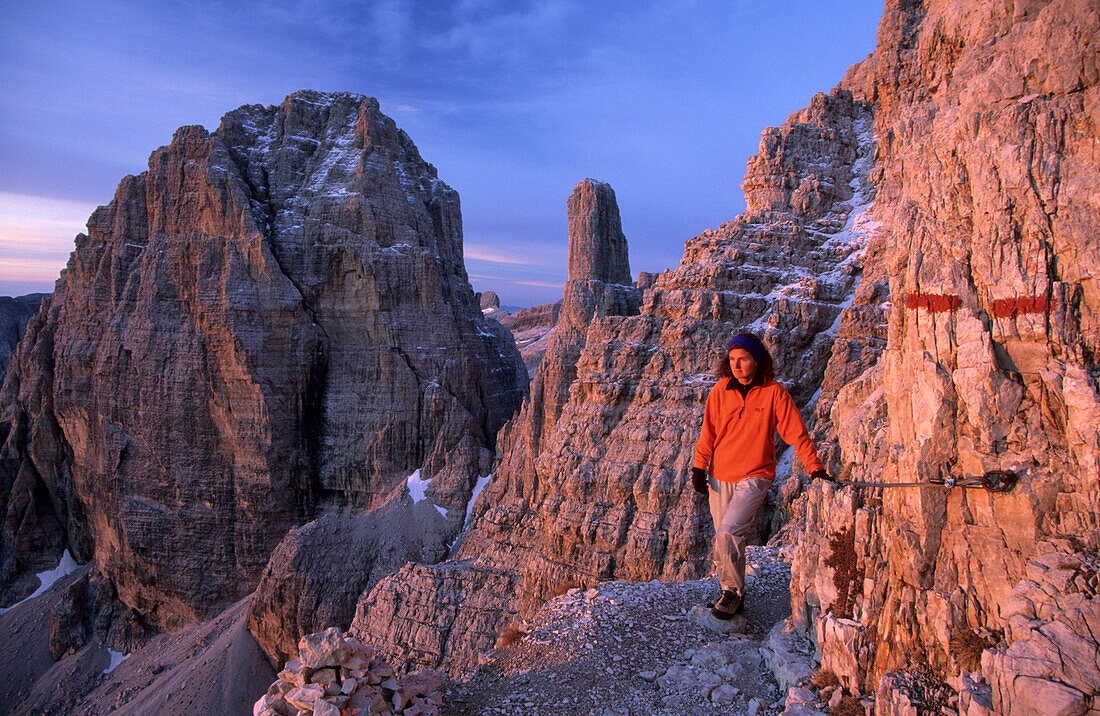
[335, 674]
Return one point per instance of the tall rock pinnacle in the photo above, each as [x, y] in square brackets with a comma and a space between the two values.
[597, 247]
[599, 285]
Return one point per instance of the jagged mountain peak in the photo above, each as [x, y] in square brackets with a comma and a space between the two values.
[271, 322]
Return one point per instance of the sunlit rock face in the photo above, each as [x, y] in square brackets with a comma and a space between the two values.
[592, 483]
[987, 125]
[271, 322]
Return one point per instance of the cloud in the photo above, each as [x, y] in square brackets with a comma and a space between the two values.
[494, 256]
[390, 21]
[30, 269]
[540, 284]
[36, 235]
[18, 208]
[491, 31]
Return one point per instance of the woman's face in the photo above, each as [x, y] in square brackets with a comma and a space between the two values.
[742, 365]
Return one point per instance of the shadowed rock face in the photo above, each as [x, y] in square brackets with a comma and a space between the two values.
[272, 321]
[14, 314]
[987, 123]
[592, 483]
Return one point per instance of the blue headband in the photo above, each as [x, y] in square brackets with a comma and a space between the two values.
[756, 348]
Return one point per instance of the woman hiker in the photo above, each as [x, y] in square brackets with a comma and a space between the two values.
[744, 411]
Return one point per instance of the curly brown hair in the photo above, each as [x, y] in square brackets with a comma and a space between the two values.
[765, 369]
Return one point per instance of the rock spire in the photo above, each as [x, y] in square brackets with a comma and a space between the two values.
[597, 246]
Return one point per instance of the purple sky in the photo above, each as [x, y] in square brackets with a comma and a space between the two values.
[513, 102]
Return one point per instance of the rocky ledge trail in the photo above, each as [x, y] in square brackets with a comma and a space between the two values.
[641, 648]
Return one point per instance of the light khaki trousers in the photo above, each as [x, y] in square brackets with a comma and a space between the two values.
[732, 507]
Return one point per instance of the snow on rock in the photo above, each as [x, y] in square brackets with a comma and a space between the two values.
[117, 657]
[417, 486]
[66, 565]
[478, 487]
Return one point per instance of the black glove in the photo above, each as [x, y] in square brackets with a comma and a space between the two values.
[699, 480]
[821, 475]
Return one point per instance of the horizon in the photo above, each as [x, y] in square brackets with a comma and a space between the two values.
[513, 105]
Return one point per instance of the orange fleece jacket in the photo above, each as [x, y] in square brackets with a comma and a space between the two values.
[738, 436]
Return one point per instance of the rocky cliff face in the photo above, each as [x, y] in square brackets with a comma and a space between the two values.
[592, 479]
[272, 322]
[916, 254]
[987, 122]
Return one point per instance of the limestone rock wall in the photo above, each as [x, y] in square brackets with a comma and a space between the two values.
[592, 480]
[271, 322]
[987, 122]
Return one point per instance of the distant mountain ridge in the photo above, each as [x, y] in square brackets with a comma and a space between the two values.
[15, 311]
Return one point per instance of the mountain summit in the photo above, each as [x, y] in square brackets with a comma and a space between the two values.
[271, 323]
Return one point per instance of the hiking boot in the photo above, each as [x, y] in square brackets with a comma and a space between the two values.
[728, 606]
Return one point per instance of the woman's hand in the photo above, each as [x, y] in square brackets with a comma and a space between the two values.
[821, 475]
[699, 480]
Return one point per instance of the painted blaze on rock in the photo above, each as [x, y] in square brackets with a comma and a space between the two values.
[272, 320]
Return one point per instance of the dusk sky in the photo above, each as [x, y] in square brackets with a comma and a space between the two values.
[513, 102]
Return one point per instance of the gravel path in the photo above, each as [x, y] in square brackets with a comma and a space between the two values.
[630, 648]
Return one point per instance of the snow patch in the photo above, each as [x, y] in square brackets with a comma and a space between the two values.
[811, 406]
[417, 486]
[834, 329]
[478, 487]
[65, 566]
[117, 657]
[783, 468]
